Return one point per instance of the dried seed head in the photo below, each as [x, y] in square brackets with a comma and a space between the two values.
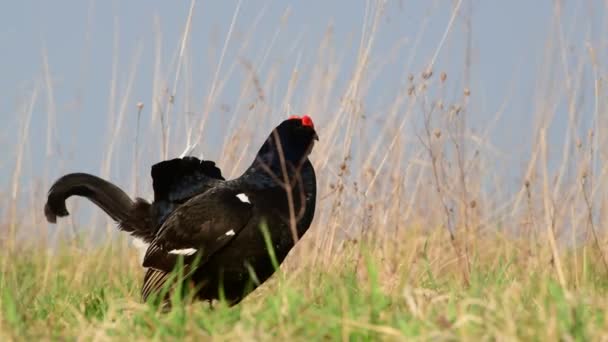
[140, 105]
[467, 91]
[456, 109]
[437, 133]
[427, 74]
[443, 76]
[440, 104]
[473, 204]
[410, 78]
[411, 90]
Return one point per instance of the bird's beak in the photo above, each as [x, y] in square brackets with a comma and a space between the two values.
[316, 137]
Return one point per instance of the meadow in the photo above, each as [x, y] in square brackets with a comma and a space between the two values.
[419, 233]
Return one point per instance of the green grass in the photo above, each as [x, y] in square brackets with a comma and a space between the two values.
[414, 292]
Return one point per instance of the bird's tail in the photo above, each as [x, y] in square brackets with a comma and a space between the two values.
[132, 217]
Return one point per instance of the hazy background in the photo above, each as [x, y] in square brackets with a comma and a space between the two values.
[79, 63]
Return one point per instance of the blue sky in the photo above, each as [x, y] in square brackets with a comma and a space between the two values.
[508, 44]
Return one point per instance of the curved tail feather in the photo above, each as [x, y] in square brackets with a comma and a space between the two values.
[107, 196]
[174, 182]
[132, 216]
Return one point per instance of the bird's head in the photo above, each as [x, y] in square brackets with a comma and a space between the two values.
[293, 139]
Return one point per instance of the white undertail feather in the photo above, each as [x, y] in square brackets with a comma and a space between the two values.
[184, 251]
[243, 198]
[188, 150]
[230, 232]
[141, 247]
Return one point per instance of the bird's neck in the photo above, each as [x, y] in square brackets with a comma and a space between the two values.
[271, 171]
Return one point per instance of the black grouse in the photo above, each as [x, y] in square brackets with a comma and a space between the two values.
[215, 227]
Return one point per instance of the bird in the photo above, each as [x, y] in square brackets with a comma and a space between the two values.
[228, 236]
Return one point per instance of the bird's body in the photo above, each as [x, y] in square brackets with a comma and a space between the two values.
[231, 247]
[220, 230]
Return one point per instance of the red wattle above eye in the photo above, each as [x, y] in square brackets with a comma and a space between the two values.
[307, 121]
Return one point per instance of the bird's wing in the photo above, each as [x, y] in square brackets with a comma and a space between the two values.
[154, 282]
[177, 180]
[199, 228]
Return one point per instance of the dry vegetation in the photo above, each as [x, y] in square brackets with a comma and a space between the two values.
[417, 233]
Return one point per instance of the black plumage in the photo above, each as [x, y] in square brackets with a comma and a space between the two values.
[221, 228]
[214, 226]
[174, 182]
